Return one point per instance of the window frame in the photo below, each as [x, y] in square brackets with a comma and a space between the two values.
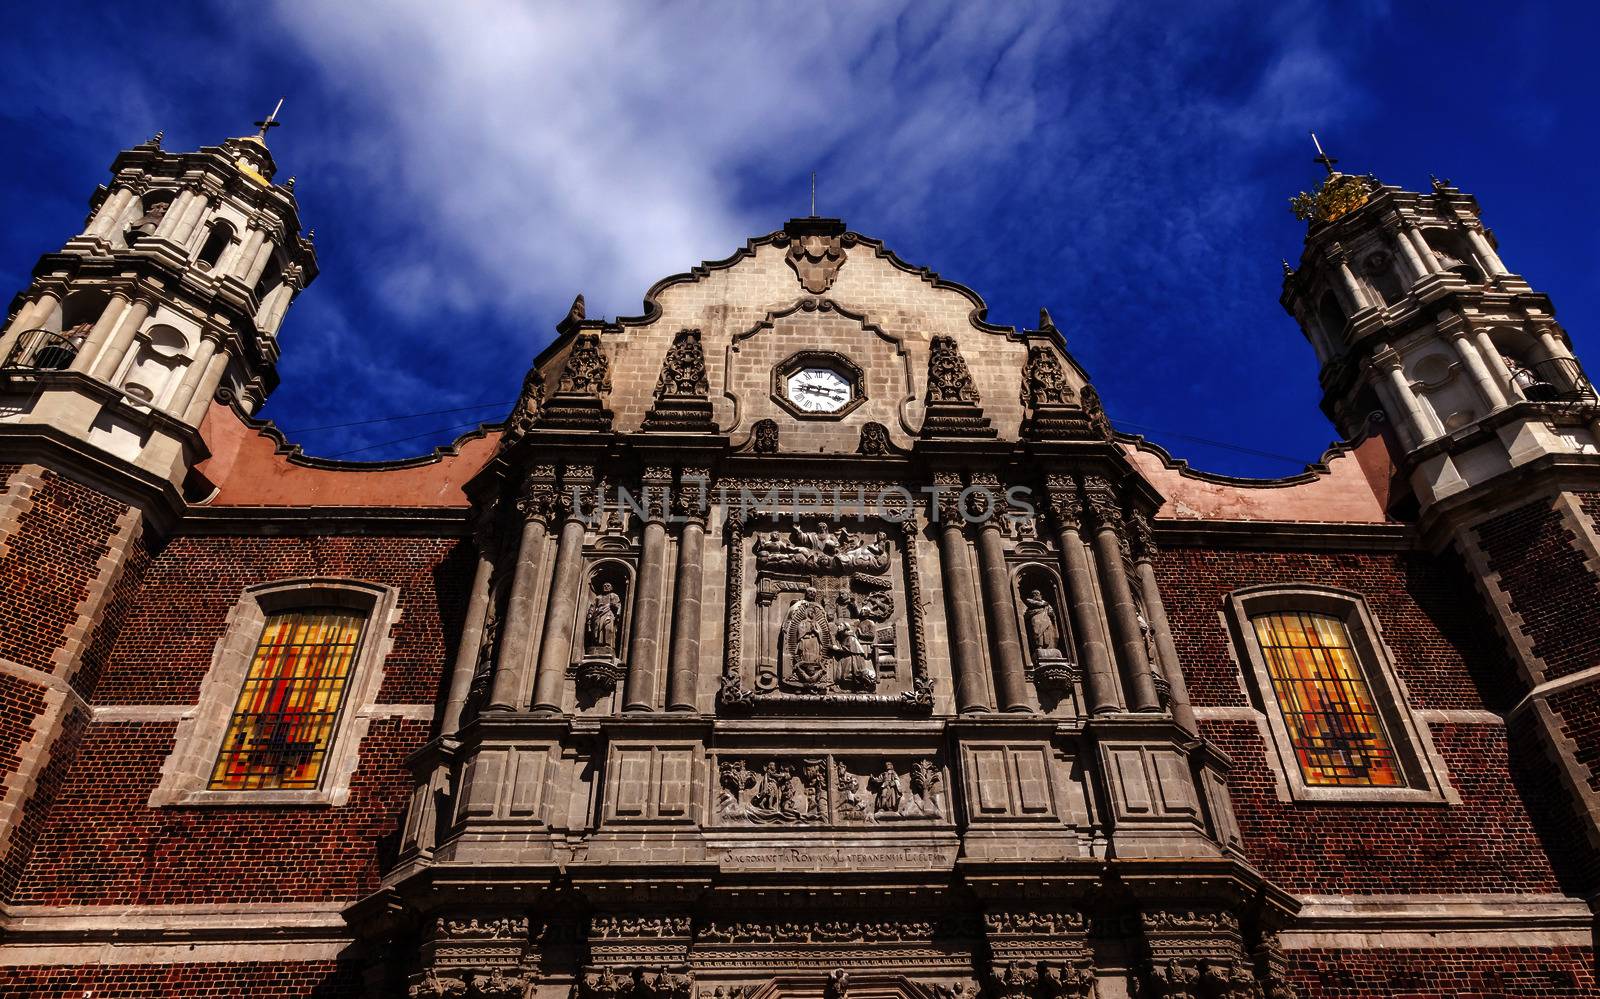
[186, 775]
[1420, 766]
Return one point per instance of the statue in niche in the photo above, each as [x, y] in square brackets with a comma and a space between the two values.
[855, 655]
[888, 792]
[600, 624]
[1044, 634]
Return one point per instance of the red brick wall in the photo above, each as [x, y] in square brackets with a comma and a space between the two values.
[165, 647]
[102, 846]
[37, 808]
[20, 703]
[47, 564]
[319, 979]
[1486, 844]
[1432, 618]
[1550, 585]
[119, 602]
[1449, 657]
[1443, 974]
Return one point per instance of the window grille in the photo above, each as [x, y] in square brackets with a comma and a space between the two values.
[284, 720]
[1333, 724]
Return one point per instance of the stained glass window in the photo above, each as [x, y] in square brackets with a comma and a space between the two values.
[1334, 725]
[284, 720]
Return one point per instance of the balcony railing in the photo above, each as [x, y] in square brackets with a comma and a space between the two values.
[1555, 379]
[42, 350]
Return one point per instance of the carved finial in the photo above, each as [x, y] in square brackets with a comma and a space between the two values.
[1044, 381]
[574, 316]
[683, 373]
[948, 377]
[1439, 183]
[526, 411]
[1045, 322]
[288, 185]
[1287, 270]
[587, 372]
[311, 235]
[155, 140]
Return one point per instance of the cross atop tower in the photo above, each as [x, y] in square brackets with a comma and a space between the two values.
[271, 121]
[1321, 157]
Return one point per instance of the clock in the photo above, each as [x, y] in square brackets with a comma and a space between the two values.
[814, 389]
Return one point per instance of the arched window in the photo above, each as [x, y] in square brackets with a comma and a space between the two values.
[216, 244]
[283, 722]
[1334, 707]
[1331, 316]
[292, 687]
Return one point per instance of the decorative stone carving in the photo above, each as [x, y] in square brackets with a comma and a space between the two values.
[601, 668]
[605, 983]
[1044, 633]
[874, 440]
[1205, 978]
[782, 792]
[661, 983]
[952, 408]
[525, 414]
[1044, 381]
[837, 985]
[834, 931]
[586, 377]
[829, 790]
[509, 927]
[816, 251]
[435, 986]
[764, 437]
[1017, 980]
[1098, 421]
[1050, 661]
[1066, 508]
[680, 397]
[835, 634]
[639, 926]
[494, 983]
[587, 371]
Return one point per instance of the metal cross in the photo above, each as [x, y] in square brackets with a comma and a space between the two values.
[271, 120]
[1322, 157]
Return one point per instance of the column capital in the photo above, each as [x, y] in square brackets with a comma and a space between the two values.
[1100, 498]
[1141, 537]
[1385, 358]
[1066, 508]
[539, 500]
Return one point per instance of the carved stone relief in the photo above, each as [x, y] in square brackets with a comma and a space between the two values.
[604, 628]
[828, 790]
[1044, 627]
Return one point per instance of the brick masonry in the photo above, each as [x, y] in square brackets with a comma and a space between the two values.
[1440, 974]
[310, 979]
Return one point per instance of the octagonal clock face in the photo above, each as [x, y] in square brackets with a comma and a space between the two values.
[819, 390]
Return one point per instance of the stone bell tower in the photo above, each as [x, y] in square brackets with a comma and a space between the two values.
[173, 292]
[1491, 426]
[170, 297]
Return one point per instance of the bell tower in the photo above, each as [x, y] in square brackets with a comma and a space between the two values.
[170, 297]
[1492, 428]
[173, 293]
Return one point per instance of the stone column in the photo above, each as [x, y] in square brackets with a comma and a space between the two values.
[257, 262]
[555, 646]
[514, 652]
[1480, 243]
[1099, 681]
[1496, 365]
[1137, 681]
[1461, 337]
[1408, 252]
[683, 669]
[101, 332]
[111, 358]
[192, 214]
[466, 662]
[1010, 683]
[644, 639]
[172, 221]
[195, 372]
[28, 317]
[1422, 427]
[241, 255]
[1352, 287]
[966, 652]
[1424, 251]
[1144, 550]
[207, 389]
[111, 209]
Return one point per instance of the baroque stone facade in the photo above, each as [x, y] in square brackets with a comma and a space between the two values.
[806, 635]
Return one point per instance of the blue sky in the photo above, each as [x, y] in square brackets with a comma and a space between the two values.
[469, 167]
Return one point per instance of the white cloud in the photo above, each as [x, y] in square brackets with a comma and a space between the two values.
[597, 148]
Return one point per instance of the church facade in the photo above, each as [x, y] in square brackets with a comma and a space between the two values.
[803, 635]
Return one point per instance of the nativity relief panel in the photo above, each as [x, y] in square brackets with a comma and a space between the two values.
[825, 623]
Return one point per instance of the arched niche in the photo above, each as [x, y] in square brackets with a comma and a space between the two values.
[157, 364]
[618, 575]
[1455, 254]
[1037, 590]
[1381, 270]
[1331, 317]
[220, 236]
[153, 208]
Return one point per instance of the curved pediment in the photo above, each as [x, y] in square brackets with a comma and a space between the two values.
[815, 288]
